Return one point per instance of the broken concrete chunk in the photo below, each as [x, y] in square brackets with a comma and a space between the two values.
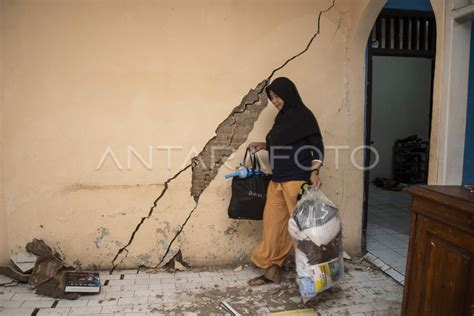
[234, 128]
[39, 248]
[54, 288]
[49, 263]
[24, 261]
[48, 273]
[14, 274]
[179, 267]
[4, 280]
[44, 270]
[177, 263]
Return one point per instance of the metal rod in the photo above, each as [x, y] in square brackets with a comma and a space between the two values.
[229, 309]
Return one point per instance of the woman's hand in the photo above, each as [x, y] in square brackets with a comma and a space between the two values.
[315, 180]
[314, 177]
[257, 146]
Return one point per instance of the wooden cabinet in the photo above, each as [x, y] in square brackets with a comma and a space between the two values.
[439, 279]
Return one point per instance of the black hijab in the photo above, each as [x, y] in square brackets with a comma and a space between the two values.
[294, 121]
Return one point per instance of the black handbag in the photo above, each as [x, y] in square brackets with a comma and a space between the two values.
[249, 194]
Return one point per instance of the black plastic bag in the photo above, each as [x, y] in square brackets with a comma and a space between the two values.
[249, 194]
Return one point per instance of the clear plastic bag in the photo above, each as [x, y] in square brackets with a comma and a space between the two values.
[316, 229]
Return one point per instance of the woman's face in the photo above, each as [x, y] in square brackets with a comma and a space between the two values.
[276, 100]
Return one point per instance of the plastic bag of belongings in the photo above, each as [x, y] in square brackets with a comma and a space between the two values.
[316, 229]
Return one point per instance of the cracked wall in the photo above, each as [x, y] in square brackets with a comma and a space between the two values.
[84, 76]
[3, 213]
[230, 135]
[152, 91]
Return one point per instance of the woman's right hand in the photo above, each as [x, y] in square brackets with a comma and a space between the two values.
[257, 146]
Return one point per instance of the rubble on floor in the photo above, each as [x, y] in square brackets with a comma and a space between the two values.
[365, 290]
[46, 272]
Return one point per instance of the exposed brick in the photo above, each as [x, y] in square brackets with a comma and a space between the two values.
[233, 131]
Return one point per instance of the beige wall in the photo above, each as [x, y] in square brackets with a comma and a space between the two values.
[85, 75]
[3, 214]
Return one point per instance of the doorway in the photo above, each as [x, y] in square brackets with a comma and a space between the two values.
[400, 72]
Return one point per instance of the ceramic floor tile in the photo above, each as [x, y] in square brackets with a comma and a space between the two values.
[375, 245]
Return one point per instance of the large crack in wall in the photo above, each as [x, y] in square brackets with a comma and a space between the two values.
[230, 135]
[142, 220]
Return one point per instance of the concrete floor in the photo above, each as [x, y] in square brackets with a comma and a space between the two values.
[365, 290]
[387, 230]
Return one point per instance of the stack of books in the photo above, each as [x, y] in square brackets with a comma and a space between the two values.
[82, 282]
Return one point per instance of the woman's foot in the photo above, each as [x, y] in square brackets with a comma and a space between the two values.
[272, 275]
[260, 280]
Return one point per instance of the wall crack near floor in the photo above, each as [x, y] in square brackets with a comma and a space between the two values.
[150, 212]
[231, 133]
[177, 234]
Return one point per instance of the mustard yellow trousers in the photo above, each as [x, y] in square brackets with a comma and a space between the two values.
[276, 242]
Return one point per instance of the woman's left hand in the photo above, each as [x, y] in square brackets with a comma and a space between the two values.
[315, 180]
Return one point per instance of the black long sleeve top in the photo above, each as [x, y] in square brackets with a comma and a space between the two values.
[293, 162]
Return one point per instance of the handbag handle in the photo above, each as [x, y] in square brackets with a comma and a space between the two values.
[253, 159]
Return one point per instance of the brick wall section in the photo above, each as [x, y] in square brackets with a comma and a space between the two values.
[230, 135]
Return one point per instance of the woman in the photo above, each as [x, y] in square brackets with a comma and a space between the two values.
[296, 153]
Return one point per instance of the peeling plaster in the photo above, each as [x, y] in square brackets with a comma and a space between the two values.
[177, 234]
[77, 265]
[150, 213]
[231, 133]
[345, 102]
[144, 257]
[232, 229]
[101, 233]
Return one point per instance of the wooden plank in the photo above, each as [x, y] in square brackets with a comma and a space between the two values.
[450, 195]
[445, 281]
[410, 259]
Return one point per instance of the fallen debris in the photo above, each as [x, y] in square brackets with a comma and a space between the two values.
[10, 272]
[48, 273]
[7, 281]
[177, 263]
[226, 306]
[48, 264]
[179, 267]
[238, 269]
[296, 312]
[24, 261]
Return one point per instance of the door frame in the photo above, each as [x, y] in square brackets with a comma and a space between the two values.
[394, 52]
